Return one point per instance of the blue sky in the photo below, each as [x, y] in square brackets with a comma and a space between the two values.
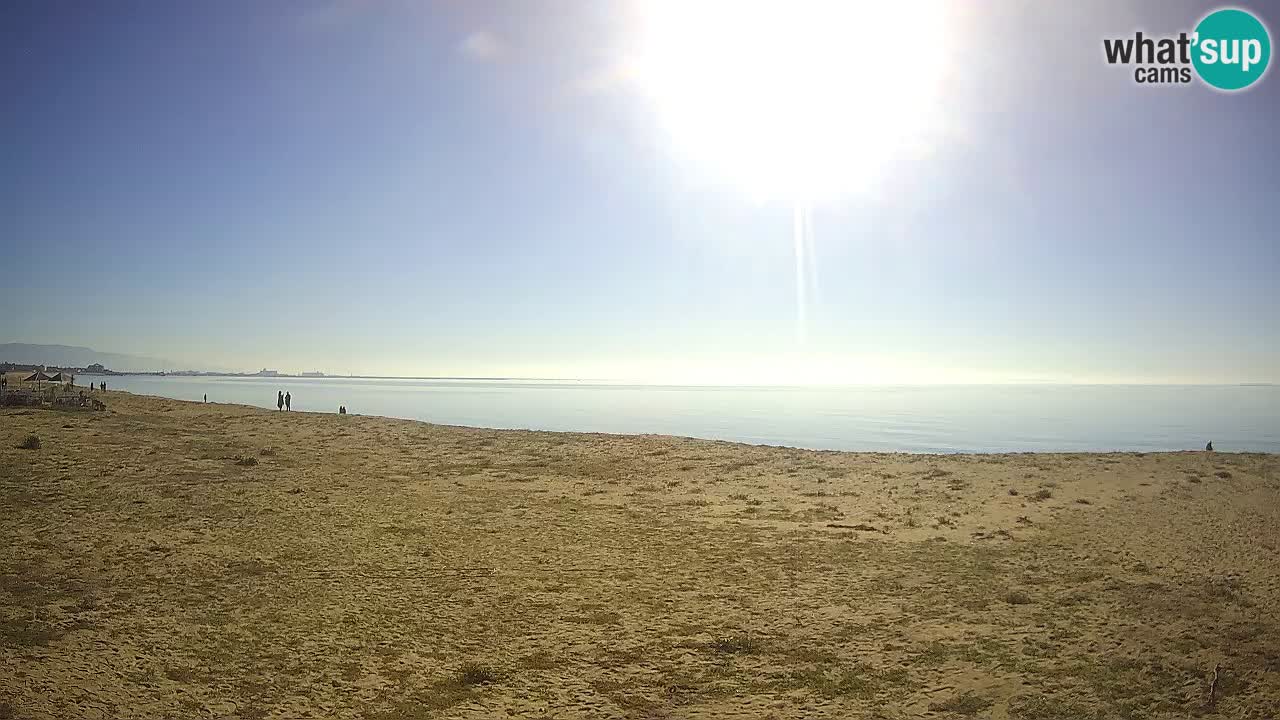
[469, 188]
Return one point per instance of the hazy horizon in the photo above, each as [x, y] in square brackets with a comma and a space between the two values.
[493, 190]
[295, 374]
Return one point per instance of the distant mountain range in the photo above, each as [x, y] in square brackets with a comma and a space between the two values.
[73, 356]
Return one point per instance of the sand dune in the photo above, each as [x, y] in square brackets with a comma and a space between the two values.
[169, 559]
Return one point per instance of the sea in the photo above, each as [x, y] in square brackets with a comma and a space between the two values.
[903, 418]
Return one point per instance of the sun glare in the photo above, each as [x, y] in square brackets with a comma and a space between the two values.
[794, 101]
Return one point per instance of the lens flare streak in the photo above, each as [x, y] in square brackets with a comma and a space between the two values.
[805, 267]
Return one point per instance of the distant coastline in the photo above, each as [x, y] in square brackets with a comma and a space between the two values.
[324, 376]
[516, 378]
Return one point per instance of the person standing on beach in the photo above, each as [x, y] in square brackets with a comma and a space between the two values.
[279, 400]
[288, 401]
[206, 397]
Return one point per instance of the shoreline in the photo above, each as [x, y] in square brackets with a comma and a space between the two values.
[176, 558]
[1136, 452]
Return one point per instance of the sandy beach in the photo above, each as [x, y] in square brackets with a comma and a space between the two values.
[165, 559]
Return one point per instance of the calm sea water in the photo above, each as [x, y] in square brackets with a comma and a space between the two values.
[958, 418]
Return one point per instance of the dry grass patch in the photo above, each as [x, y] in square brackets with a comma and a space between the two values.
[742, 644]
[967, 704]
[27, 632]
[858, 681]
[473, 673]
[1018, 597]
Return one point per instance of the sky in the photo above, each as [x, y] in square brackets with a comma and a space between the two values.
[491, 189]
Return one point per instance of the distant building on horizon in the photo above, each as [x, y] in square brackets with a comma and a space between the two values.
[314, 373]
[95, 368]
[267, 373]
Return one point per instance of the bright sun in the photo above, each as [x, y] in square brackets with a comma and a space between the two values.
[795, 101]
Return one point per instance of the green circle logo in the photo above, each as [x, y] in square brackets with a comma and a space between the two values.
[1232, 49]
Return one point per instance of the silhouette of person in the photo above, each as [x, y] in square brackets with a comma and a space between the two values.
[206, 397]
[104, 386]
[279, 400]
[288, 401]
[1209, 447]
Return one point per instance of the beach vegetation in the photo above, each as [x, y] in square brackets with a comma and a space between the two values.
[857, 681]
[473, 673]
[741, 644]
[1017, 597]
[459, 687]
[966, 704]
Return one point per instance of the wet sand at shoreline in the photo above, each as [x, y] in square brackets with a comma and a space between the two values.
[173, 559]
